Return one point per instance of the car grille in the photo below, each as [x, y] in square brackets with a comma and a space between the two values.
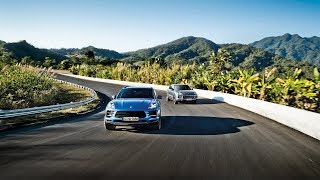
[189, 97]
[140, 114]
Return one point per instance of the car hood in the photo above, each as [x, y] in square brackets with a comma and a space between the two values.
[134, 104]
[187, 92]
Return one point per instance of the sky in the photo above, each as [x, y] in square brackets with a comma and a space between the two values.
[128, 25]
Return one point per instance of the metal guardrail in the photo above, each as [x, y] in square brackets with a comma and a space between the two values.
[42, 109]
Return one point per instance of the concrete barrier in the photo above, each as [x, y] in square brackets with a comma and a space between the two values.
[304, 121]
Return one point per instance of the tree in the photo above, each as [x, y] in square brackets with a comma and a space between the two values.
[48, 62]
[7, 58]
[75, 61]
[65, 64]
[107, 61]
[89, 54]
[217, 62]
[27, 61]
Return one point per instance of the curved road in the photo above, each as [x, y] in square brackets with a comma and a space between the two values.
[199, 141]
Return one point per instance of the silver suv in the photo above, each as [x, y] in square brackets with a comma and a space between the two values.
[181, 92]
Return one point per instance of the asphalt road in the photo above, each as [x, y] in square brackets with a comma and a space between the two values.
[200, 141]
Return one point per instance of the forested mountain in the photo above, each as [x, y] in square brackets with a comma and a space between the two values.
[247, 57]
[65, 51]
[184, 49]
[197, 50]
[98, 52]
[292, 47]
[23, 48]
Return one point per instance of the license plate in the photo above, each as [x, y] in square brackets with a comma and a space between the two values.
[130, 118]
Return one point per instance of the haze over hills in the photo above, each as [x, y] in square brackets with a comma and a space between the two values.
[292, 47]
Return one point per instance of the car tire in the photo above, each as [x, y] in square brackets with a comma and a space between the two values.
[175, 101]
[157, 126]
[110, 127]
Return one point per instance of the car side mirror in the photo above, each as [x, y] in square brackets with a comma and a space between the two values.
[159, 97]
[113, 96]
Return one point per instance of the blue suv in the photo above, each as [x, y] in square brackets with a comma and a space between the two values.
[134, 106]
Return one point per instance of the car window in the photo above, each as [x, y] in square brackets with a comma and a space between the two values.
[181, 87]
[136, 93]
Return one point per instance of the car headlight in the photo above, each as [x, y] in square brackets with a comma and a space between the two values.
[152, 105]
[110, 105]
[180, 94]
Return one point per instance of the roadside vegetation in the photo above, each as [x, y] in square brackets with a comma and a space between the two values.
[273, 84]
[284, 81]
[26, 86]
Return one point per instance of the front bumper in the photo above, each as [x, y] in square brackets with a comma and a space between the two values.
[141, 122]
[187, 98]
[148, 120]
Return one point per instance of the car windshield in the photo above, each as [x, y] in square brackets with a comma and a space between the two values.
[136, 93]
[181, 87]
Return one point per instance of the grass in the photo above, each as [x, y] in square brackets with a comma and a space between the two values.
[26, 87]
[67, 93]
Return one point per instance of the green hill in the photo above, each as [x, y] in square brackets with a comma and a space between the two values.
[247, 57]
[186, 49]
[194, 49]
[22, 49]
[65, 51]
[292, 47]
[2, 43]
[98, 52]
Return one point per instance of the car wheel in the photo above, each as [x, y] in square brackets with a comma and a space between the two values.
[110, 127]
[175, 101]
[156, 126]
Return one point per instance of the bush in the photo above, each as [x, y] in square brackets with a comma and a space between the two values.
[293, 90]
[25, 87]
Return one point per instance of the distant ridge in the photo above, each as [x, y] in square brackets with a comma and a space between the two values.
[23, 48]
[292, 46]
[99, 52]
[184, 49]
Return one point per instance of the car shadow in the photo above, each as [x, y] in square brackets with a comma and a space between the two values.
[216, 100]
[208, 101]
[196, 125]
